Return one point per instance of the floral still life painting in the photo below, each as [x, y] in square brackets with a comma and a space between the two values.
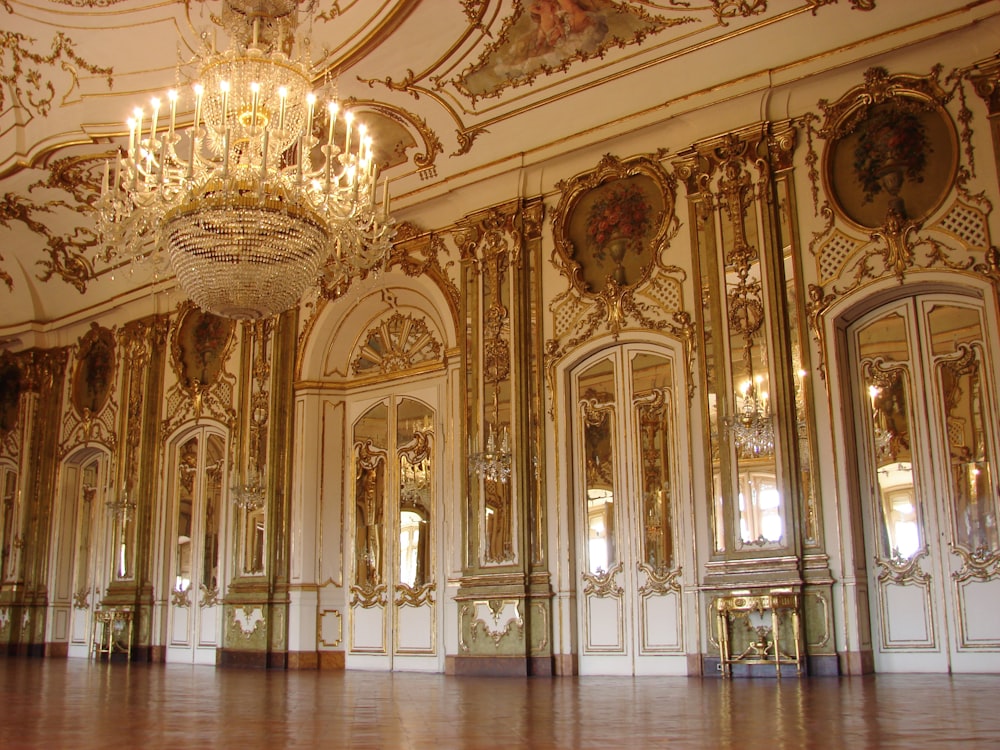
[612, 228]
[900, 157]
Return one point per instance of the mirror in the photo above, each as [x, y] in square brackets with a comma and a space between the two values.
[652, 378]
[597, 401]
[956, 341]
[884, 348]
[414, 438]
[371, 439]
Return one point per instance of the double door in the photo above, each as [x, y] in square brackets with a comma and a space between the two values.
[627, 490]
[195, 558]
[393, 592]
[925, 395]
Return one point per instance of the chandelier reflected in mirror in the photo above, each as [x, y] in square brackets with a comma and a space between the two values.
[121, 506]
[752, 428]
[249, 491]
[267, 189]
[494, 463]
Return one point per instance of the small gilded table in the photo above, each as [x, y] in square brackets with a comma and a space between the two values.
[112, 632]
[767, 645]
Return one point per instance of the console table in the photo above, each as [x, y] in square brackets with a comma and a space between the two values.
[766, 646]
[112, 632]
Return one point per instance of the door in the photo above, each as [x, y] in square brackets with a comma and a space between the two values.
[195, 607]
[626, 486]
[394, 590]
[925, 389]
[88, 568]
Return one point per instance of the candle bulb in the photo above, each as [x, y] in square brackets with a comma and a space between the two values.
[255, 90]
[131, 135]
[104, 182]
[349, 117]
[332, 108]
[310, 101]
[199, 90]
[385, 196]
[156, 116]
[283, 96]
[137, 113]
[263, 161]
[118, 172]
[172, 96]
[224, 89]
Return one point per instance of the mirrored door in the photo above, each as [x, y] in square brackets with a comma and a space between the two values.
[925, 394]
[393, 591]
[197, 522]
[83, 559]
[626, 494]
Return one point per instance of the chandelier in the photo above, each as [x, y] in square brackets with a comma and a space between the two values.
[264, 192]
[494, 463]
[249, 492]
[121, 506]
[752, 428]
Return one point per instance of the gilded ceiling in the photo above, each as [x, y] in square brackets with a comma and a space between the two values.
[451, 88]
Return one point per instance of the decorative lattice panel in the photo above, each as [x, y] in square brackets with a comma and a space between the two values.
[967, 223]
[666, 292]
[834, 253]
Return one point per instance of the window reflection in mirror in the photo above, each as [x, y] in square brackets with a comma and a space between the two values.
[596, 388]
[760, 508]
[415, 446]
[884, 349]
[253, 545]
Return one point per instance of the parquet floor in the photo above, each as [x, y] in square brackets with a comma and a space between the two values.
[54, 703]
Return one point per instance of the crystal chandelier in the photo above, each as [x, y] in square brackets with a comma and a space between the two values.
[752, 428]
[121, 507]
[494, 463]
[266, 190]
[415, 482]
[249, 491]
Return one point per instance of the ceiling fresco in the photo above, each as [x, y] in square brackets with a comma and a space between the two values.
[449, 88]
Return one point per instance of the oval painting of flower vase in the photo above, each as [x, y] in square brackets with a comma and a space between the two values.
[612, 228]
[900, 157]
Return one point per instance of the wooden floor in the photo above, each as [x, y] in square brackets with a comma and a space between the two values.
[53, 703]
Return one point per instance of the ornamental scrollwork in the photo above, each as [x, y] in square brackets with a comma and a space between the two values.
[982, 563]
[209, 596]
[901, 570]
[496, 618]
[33, 92]
[659, 582]
[369, 595]
[414, 596]
[602, 584]
[897, 148]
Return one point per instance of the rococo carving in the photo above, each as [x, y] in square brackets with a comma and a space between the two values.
[613, 227]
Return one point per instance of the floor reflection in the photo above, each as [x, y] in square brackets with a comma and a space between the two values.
[80, 704]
